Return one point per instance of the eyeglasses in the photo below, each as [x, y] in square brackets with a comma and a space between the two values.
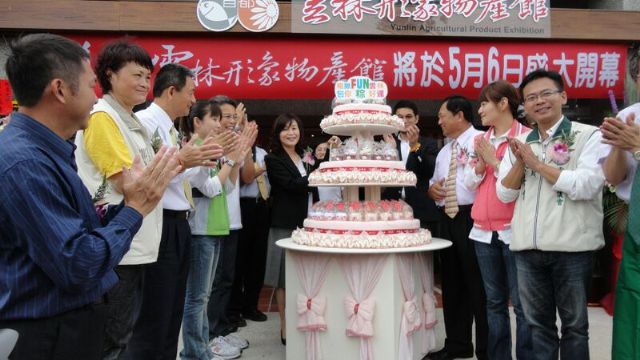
[544, 95]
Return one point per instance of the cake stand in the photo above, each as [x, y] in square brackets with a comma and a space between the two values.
[360, 303]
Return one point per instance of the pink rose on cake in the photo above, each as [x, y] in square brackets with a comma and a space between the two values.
[329, 211]
[341, 212]
[396, 210]
[370, 211]
[355, 211]
[385, 210]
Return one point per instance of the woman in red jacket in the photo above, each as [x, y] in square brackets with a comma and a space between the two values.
[492, 220]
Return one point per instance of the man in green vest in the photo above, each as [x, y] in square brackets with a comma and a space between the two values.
[620, 169]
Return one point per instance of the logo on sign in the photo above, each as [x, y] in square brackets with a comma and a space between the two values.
[360, 89]
[217, 15]
[254, 15]
[258, 15]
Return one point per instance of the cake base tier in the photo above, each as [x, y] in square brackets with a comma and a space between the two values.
[435, 244]
[363, 240]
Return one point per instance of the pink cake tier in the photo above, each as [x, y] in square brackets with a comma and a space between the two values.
[362, 172]
[362, 114]
[361, 225]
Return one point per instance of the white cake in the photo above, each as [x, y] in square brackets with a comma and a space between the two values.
[374, 114]
[361, 225]
[361, 161]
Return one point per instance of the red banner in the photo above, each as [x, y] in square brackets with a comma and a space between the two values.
[248, 68]
[6, 106]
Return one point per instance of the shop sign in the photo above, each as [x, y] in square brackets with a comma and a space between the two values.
[252, 68]
[476, 18]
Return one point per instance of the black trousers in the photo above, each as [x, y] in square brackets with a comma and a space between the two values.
[463, 295]
[251, 257]
[75, 334]
[123, 308]
[156, 333]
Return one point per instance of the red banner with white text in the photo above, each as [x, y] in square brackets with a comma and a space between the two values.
[250, 68]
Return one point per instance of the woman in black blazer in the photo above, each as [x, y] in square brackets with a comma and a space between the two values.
[291, 197]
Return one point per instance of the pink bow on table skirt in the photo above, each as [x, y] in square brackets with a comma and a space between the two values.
[360, 316]
[312, 273]
[311, 313]
[362, 274]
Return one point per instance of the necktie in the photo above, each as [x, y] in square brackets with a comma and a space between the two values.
[185, 183]
[262, 185]
[451, 200]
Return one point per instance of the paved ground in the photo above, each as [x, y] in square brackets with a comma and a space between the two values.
[265, 337]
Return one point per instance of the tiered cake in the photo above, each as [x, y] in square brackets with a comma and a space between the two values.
[360, 161]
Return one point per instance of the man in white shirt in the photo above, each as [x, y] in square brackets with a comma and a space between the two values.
[158, 327]
[462, 289]
[252, 243]
[220, 325]
[620, 168]
[418, 154]
[554, 175]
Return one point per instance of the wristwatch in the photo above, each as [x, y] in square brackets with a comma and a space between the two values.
[230, 162]
[636, 155]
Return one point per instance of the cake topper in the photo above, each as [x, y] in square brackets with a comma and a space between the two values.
[360, 89]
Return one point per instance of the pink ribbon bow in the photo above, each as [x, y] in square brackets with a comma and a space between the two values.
[360, 316]
[410, 317]
[311, 313]
[429, 306]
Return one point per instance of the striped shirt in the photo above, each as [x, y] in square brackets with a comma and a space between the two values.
[54, 254]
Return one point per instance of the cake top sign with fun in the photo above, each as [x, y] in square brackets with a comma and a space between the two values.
[360, 89]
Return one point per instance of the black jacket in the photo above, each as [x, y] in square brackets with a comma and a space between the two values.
[422, 163]
[289, 191]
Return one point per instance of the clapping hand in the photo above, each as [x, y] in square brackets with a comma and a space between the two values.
[334, 142]
[527, 156]
[486, 152]
[624, 135]
[143, 187]
[412, 134]
[192, 155]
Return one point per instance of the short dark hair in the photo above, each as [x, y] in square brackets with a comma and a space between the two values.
[541, 74]
[281, 122]
[634, 61]
[497, 90]
[406, 104]
[116, 55]
[199, 110]
[458, 103]
[37, 59]
[224, 100]
[171, 75]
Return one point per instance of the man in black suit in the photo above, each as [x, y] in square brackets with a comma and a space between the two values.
[419, 155]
